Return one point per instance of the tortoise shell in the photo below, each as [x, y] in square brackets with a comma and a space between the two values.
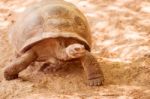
[50, 19]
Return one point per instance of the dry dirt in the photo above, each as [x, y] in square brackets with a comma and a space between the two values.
[121, 43]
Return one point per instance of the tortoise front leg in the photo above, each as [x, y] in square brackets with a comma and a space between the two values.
[92, 69]
[21, 63]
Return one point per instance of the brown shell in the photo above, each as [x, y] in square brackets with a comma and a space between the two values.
[49, 19]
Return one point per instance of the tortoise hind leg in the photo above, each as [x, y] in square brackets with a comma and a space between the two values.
[92, 69]
[21, 63]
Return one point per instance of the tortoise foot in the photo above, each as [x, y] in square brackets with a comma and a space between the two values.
[47, 67]
[95, 79]
[10, 76]
[95, 82]
[51, 69]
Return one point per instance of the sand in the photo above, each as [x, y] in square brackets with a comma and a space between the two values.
[120, 30]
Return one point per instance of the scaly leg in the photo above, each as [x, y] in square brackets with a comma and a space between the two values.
[21, 63]
[92, 69]
[90, 64]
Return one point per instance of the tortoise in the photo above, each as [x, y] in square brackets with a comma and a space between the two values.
[53, 32]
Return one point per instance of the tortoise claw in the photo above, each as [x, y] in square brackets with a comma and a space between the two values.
[95, 82]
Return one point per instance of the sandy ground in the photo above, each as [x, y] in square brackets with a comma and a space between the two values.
[120, 30]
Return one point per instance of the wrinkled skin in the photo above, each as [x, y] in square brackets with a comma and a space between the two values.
[55, 52]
